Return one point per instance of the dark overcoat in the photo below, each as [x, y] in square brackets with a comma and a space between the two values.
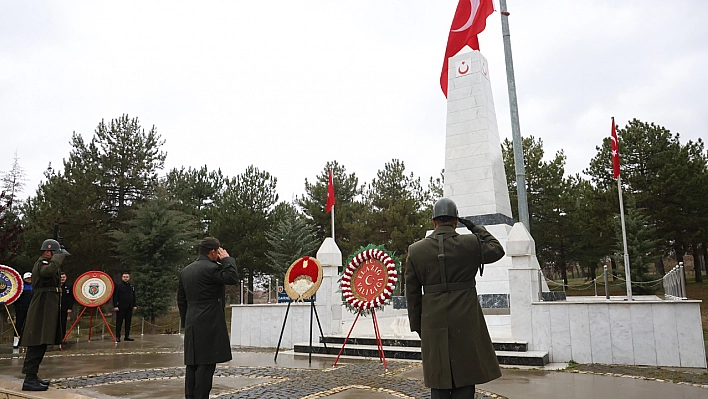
[42, 324]
[455, 342]
[200, 297]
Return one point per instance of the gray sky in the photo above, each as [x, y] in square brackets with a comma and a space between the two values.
[289, 85]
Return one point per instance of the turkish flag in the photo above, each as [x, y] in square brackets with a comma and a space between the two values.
[470, 19]
[615, 150]
[330, 194]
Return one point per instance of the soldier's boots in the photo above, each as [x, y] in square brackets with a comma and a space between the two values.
[35, 384]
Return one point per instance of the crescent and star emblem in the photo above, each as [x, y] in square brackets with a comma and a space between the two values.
[474, 4]
[460, 71]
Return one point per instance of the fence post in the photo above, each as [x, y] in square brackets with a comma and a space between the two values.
[682, 276]
[142, 329]
[241, 292]
[269, 292]
[607, 285]
[540, 285]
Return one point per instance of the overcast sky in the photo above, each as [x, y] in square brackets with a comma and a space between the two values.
[288, 85]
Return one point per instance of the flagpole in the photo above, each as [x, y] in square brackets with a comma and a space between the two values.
[333, 222]
[624, 241]
[615, 161]
[515, 127]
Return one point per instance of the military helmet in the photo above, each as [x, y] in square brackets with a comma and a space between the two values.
[444, 207]
[50, 245]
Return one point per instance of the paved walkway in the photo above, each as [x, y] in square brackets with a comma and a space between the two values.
[151, 367]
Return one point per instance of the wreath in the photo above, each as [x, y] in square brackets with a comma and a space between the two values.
[369, 279]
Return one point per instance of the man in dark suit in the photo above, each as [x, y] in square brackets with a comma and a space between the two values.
[124, 304]
[67, 303]
[201, 297]
[456, 347]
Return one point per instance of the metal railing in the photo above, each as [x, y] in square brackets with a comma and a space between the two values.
[675, 283]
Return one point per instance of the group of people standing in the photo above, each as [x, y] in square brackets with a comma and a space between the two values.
[440, 290]
[43, 308]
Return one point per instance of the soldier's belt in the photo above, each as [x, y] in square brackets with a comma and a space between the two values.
[46, 289]
[461, 285]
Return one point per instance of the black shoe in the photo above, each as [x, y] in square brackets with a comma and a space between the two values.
[117, 339]
[43, 382]
[128, 339]
[34, 385]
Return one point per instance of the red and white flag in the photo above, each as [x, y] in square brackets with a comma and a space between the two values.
[615, 150]
[330, 194]
[470, 19]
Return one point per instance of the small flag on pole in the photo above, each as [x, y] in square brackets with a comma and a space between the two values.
[615, 150]
[330, 194]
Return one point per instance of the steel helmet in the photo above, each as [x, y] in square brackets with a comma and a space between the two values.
[444, 207]
[50, 245]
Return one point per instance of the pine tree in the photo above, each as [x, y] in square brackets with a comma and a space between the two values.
[10, 231]
[13, 183]
[291, 239]
[156, 243]
[641, 247]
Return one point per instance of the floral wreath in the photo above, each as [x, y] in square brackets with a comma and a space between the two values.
[355, 304]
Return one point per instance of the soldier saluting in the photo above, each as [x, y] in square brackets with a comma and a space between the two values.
[42, 326]
[456, 347]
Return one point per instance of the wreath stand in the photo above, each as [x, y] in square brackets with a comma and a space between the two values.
[313, 309]
[379, 341]
[91, 308]
[9, 316]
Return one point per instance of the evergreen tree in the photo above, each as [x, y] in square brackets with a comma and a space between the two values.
[641, 247]
[195, 190]
[13, 183]
[240, 221]
[350, 212]
[10, 231]
[156, 243]
[291, 238]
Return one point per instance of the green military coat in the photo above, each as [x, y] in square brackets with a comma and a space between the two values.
[42, 324]
[455, 342]
[200, 297]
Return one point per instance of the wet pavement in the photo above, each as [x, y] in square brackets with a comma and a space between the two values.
[152, 367]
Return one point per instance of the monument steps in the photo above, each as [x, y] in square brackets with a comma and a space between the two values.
[513, 353]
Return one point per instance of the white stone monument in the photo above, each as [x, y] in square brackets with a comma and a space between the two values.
[474, 168]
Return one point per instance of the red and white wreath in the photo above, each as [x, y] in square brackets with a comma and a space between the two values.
[369, 279]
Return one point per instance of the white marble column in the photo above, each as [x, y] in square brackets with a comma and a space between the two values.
[329, 300]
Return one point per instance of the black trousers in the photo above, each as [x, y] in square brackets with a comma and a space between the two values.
[197, 381]
[20, 320]
[62, 318]
[33, 358]
[124, 315]
[466, 392]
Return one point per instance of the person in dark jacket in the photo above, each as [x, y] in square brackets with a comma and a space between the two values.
[124, 304]
[67, 303]
[42, 326]
[456, 348]
[201, 297]
[22, 306]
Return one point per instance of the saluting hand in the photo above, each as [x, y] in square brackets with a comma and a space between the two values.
[221, 253]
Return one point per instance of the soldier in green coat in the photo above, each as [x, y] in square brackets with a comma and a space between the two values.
[42, 326]
[456, 348]
[200, 297]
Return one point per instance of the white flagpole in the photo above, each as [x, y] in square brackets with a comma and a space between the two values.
[333, 222]
[624, 241]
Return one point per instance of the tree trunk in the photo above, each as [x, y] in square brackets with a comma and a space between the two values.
[593, 270]
[697, 263]
[250, 287]
[660, 266]
[613, 268]
[152, 325]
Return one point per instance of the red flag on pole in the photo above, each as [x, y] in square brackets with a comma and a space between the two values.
[470, 19]
[615, 150]
[330, 194]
